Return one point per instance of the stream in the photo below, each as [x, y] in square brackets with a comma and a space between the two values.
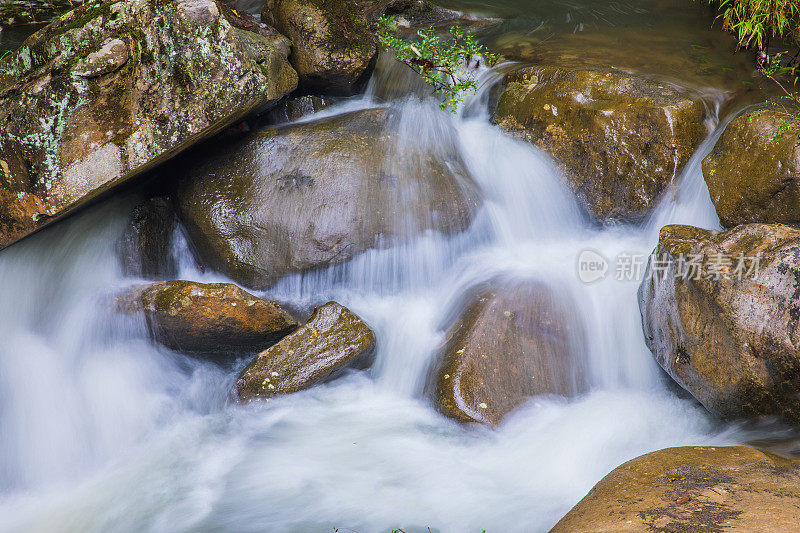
[102, 430]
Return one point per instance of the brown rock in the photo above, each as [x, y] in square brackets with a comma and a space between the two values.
[114, 88]
[619, 138]
[733, 343]
[514, 340]
[753, 172]
[692, 489]
[332, 339]
[333, 49]
[208, 318]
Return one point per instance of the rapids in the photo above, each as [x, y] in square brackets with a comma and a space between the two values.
[101, 430]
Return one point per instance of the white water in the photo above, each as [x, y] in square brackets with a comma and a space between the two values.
[102, 431]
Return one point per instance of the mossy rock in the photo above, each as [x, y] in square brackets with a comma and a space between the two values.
[305, 196]
[515, 339]
[753, 172]
[333, 48]
[208, 318]
[728, 332]
[619, 138]
[692, 489]
[332, 340]
[112, 89]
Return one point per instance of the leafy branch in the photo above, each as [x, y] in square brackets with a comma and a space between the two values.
[446, 65]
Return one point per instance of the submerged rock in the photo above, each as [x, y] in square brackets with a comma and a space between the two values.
[301, 197]
[733, 343]
[693, 488]
[14, 12]
[332, 339]
[212, 318]
[112, 89]
[619, 138]
[145, 248]
[333, 48]
[753, 172]
[515, 340]
[413, 14]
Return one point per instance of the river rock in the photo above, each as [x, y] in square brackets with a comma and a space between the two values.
[414, 14]
[333, 49]
[753, 172]
[113, 88]
[332, 340]
[212, 318]
[14, 12]
[145, 247]
[733, 343]
[692, 488]
[304, 196]
[619, 138]
[514, 340]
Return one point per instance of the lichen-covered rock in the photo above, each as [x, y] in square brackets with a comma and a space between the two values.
[690, 489]
[208, 318]
[619, 138]
[145, 247]
[728, 332]
[301, 197]
[753, 172]
[115, 87]
[514, 340]
[332, 340]
[333, 49]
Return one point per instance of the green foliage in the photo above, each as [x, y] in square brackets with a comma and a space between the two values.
[440, 62]
[755, 22]
[782, 73]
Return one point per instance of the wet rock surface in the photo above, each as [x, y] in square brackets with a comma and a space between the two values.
[145, 247]
[208, 318]
[753, 172]
[301, 197]
[514, 340]
[115, 87]
[693, 489]
[333, 339]
[620, 139]
[733, 343]
[333, 49]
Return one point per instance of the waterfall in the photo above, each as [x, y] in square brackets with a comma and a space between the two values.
[102, 430]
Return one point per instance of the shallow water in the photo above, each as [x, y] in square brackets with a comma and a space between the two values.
[100, 430]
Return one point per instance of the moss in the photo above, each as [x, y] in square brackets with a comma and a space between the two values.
[83, 18]
[347, 24]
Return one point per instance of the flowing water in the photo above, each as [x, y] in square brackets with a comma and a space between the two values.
[101, 430]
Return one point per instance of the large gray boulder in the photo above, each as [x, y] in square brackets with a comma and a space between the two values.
[304, 196]
[115, 87]
[728, 334]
